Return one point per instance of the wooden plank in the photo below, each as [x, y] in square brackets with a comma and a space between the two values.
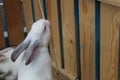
[61, 74]
[110, 23]
[37, 10]
[113, 2]
[55, 38]
[28, 13]
[14, 21]
[87, 38]
[2, 40]
[68, 26]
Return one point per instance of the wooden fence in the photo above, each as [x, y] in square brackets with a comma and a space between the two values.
[11, 24]
[85, 35]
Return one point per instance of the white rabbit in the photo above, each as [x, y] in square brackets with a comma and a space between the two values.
[8, 68]
[36, 61]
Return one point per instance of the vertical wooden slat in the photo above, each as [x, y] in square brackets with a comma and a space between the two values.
[55, 38]
[53, 18]
[28, 13]
[110, 23]
[2, 40]
[37, 10]
[68, 26]
[87, 38]
[14, 21]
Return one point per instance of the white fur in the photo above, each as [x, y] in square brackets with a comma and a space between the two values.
[38, 69]
[40, 66]
[6, 65]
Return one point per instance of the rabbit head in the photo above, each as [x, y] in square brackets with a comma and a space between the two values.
[37, 37]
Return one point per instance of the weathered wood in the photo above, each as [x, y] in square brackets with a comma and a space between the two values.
[110, 24]
[14, 21]
[55, 38]
[87, 38]
[28, 13]
[2, 40]
[68, 26]
[37, 10]
[113, 2]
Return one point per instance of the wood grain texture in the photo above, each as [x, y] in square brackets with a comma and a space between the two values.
[14, 21]
[113, 2]
[87, 38]
[110, 23]
[68, 26]
[37, 10]
[55, 38]
[61, 74]
[28, 13]
[2, 40]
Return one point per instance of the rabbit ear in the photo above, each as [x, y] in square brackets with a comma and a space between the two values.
[31, 51]
[19, 49]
